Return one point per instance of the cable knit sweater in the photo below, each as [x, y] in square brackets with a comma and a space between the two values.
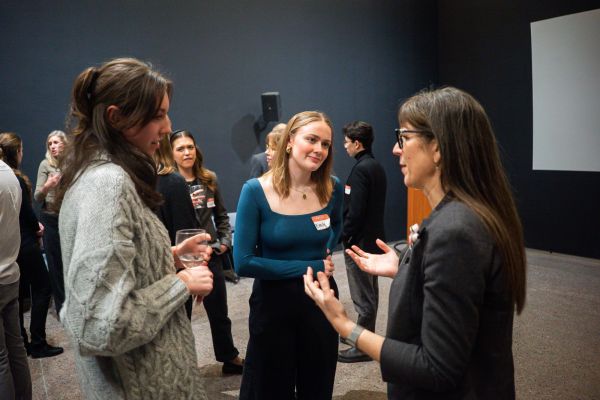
[124, 303]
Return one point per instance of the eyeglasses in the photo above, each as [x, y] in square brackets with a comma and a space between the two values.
[401, 135]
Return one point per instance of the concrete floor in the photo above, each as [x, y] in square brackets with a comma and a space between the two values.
[556, 339]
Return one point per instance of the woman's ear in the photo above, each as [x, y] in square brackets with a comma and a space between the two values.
[113, 114]
[435, 150]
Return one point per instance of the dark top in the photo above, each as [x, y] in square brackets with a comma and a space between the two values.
[213, 215]
[258, 165]
[28, 222]
[269, 245]
[177, 211]
[449, 331]
[364, 204]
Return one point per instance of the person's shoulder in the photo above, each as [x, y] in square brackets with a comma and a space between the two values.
[455, 218]
[252, 185]
[104, 178]
[170, 180]
[259, 157]
[337, 184]
[44, 164]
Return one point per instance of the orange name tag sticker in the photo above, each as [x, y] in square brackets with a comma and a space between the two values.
[347, 189]
[321, 221]
[210, 203]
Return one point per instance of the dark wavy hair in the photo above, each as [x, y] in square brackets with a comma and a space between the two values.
[137, 90]
[471, 170]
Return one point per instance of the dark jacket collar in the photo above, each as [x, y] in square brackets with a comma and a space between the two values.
[363, 154]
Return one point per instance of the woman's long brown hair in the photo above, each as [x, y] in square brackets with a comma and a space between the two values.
[472, 172]
[137, 90]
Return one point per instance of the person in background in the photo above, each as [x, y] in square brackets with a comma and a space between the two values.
[364, 209]
[287, 219]
[273, 138]
[47, 180]
[259, 163]
[34, 282]
[15, 379]
[124, 303]
[211, 215]
[177, 211]
[453, 296]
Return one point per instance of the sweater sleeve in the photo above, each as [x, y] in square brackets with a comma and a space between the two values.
[453, 290]
[247, 238]
[107, 312]
[42, 177]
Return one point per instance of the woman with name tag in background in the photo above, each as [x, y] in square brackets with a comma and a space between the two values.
[287, 219]
[453, 296]
[208, 204]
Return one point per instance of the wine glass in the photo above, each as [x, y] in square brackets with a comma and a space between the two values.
[197, 194]
[186, 242]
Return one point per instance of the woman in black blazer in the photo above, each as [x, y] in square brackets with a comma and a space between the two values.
[453, 296]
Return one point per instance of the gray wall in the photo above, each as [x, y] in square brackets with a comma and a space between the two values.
[485, 48]
[351, 59]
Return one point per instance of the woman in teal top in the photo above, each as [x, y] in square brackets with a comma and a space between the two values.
[288, 219]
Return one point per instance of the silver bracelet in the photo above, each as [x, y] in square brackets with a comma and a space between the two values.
[353, 337]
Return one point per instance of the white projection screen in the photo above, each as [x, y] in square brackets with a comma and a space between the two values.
[565, 54]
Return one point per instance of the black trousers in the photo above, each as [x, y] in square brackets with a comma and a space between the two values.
[216, 308]
[292, 349]
[34, 283]
[54, 257]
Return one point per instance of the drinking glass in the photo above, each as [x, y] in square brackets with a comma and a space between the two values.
[186, 241]
[197, 194]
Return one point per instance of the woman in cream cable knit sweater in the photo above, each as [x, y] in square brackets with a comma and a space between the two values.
[124, 300]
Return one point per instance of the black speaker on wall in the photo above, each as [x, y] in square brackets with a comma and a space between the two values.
[271, 106]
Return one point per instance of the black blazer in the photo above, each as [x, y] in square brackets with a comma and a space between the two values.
[364, 205]
[177, 210]
[258, 165]
[450, 319]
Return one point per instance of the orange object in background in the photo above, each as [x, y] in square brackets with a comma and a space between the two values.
[417, 209]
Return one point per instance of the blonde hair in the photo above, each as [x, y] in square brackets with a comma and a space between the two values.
[275, 135]
[280, 170]
[53, 161]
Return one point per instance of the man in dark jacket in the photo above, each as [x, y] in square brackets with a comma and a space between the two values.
[364, 205]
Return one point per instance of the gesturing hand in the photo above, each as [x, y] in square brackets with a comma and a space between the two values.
[324, 297]
[385, 264]
[329, 267]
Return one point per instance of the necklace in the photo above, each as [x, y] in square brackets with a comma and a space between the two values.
[300, 191]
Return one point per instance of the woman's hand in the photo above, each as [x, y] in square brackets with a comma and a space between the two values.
[222, 249]
[385, 264]
[51, 182]
[199, 281]
[324, 297]
[196, 245]
[329, 267]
